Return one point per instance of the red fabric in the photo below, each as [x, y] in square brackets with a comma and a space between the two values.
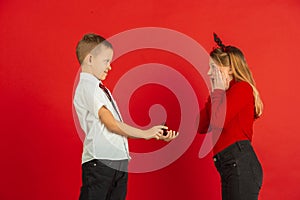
[233, 115]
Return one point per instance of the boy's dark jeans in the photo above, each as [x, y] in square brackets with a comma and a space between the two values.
[104, 180]
[240, 171]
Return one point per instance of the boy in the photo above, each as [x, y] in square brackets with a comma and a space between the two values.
[105, 148]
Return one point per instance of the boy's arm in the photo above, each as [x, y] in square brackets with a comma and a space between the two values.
[123, 129]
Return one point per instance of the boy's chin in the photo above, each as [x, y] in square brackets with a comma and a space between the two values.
[102, 78]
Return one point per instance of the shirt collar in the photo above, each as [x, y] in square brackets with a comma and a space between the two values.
[88, 76]
[232, 82]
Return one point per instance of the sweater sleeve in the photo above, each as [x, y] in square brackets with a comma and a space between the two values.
[204, 120]
[227, 105]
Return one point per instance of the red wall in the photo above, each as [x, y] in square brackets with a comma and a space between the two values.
[40, 148]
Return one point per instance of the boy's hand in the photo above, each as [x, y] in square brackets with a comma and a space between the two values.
[154, 132]
[170, 136]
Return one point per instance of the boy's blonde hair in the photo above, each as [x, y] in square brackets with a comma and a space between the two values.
[88, 43]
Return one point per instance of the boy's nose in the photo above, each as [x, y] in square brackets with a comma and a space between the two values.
[109, 67]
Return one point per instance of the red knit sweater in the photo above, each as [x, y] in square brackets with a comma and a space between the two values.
[234, 118]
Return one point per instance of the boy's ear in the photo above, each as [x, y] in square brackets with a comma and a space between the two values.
[88, 59]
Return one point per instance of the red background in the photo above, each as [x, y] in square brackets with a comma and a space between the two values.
[40, 149]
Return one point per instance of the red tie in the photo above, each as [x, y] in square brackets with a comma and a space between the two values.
[105, 90]
[109, 97]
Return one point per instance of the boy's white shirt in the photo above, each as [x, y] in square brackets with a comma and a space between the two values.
[99, 142]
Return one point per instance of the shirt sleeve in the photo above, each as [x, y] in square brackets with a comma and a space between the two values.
[95, 99]
[204, 120]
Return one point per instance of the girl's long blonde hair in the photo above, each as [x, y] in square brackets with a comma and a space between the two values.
[232, 57]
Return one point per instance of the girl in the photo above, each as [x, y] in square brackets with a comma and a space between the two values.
[234, 99]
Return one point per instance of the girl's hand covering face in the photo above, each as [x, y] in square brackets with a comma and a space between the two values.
[218, 80]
